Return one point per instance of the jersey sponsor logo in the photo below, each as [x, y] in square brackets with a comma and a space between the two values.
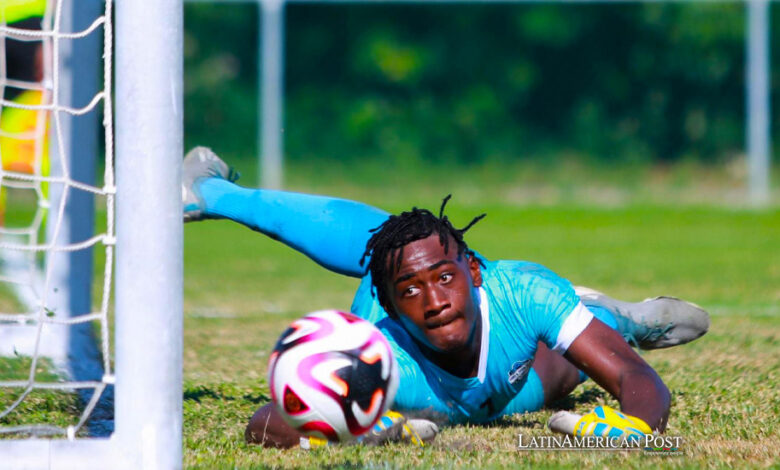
[519, 371]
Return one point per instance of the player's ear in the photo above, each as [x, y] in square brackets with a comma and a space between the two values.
[475, 270]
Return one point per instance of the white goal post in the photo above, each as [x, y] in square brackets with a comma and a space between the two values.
[148, 279]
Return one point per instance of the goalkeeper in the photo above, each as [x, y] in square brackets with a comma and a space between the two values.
[475, 339]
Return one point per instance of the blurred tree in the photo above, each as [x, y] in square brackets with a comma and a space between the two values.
[468, 82]
[220, 79]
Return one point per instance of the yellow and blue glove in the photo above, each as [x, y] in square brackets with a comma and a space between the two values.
[391, 427]
[395, 427]
[602, 421]
[607, 422]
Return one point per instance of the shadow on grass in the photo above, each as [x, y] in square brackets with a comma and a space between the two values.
[223, 392]
[588, 396]
[348, 464]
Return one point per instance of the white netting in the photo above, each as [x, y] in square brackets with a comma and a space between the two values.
[24, 245]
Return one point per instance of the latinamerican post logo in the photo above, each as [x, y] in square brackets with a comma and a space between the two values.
[650, 444]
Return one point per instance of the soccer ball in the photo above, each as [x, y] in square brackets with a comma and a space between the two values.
[332, 375]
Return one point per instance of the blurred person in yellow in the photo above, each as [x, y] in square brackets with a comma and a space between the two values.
[24, 141]
[14, 11]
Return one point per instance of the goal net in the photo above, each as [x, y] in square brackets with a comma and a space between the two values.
[57, 221]
[52, 321]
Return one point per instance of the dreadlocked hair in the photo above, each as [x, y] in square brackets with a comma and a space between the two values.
[385, 248]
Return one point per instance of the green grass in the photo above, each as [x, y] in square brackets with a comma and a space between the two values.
[630, 239]
[242, 291]
[51, 407]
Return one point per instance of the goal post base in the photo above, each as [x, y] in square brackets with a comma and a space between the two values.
[62, 454]
[147, 453]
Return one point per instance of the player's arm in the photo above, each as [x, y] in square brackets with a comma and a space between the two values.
[605, 357]
[269, 429]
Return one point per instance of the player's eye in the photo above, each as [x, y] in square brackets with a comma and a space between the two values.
[409, 291]
[446, 277]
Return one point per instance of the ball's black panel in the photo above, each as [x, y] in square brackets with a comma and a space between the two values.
[364, 379]
[280, 347]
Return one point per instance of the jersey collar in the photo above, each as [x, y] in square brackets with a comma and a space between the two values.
[484, 310]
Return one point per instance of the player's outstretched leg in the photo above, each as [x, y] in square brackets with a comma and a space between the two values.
[655, 323]
[331, 231]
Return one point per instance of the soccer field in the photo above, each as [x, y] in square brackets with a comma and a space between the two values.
[242, 289]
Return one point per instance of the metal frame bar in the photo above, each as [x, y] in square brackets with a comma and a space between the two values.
[59, 455]
[70, 285]
[757, 83]
[270, 106]
[149, 267]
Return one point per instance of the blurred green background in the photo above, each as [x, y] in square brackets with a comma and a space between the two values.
[635, 83]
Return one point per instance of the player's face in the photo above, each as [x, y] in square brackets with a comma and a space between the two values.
[433, 293]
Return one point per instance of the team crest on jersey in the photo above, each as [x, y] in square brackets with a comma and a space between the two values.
[519, 371]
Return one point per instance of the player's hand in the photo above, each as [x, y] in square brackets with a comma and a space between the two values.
[391, 427]
[395, 427]
[602, 421]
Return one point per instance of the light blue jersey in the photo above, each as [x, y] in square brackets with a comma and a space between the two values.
[521, 303]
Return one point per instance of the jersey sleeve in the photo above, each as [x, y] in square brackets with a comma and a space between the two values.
[555, 313]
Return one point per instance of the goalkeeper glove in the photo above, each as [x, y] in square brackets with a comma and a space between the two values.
[602, 421]
[394, 427]
[391, 427]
